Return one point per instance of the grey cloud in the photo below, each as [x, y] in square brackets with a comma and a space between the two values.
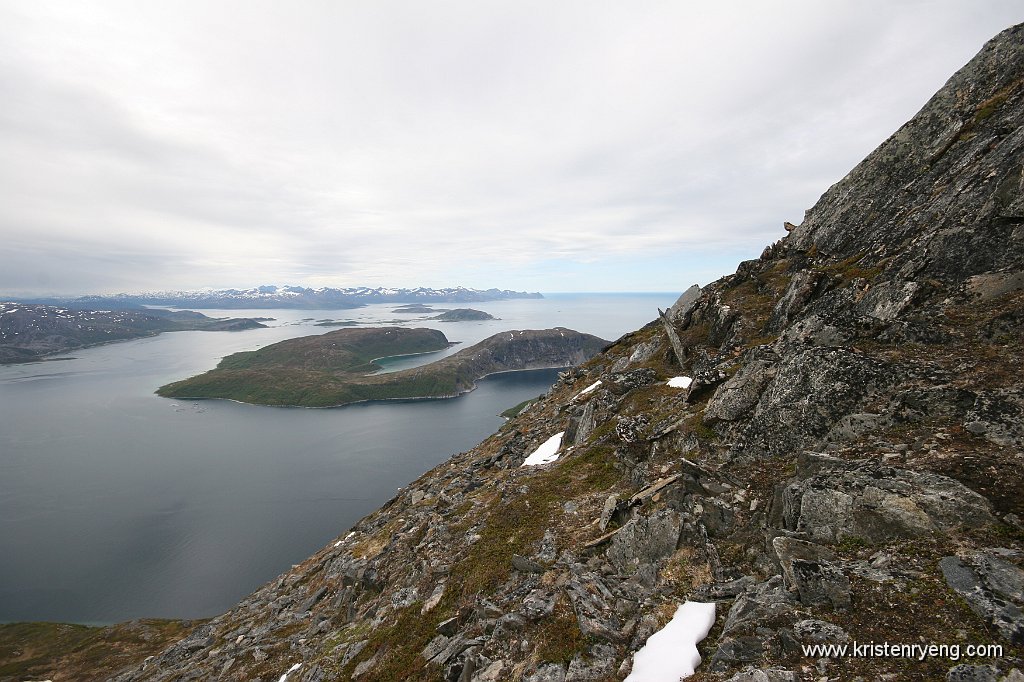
[384, 143]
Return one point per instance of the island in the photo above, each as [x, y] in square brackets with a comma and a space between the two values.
[415, 309]
[29, 332]
[463, 315]
[334, 369]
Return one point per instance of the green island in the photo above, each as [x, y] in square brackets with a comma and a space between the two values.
[463, 315]
[337, 368]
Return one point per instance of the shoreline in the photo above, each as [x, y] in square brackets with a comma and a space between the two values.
[410, 399]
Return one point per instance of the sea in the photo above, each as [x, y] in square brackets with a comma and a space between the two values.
[117, 504]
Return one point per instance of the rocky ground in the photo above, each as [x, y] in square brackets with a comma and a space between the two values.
[844, 465]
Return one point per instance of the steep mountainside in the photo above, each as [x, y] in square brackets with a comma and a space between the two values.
[331, 369]
[29, 332]
[844, 467]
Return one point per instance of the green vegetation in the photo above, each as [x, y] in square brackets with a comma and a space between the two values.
[79, 652]
[559, 637]
[516, 409]
[516, 524]
[336, 368]
[847, 270]
[462, 315]
[398, 647]
[989, 106]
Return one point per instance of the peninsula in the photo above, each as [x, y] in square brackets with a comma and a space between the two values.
[333, 369]
[29, 332]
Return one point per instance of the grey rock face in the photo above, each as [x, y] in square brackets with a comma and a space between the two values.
[972, 673]
[874, 502]
[738, 396]
[809, 391]
[549, 672]
[645, 540]
[679, 310]
[811, 630]
[764, 675]
[993, 588]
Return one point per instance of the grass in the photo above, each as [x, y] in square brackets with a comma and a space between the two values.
[330, 370]
[559, 637]
[517, 524]
[79, 652]
[398, 646]
[515, 410]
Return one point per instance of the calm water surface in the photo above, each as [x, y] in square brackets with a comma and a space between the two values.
[118, 504]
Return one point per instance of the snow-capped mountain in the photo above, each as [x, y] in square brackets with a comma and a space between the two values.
[271, 296]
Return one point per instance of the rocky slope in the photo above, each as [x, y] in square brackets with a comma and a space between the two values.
[30, 332]
[845, 465]
[329, 370]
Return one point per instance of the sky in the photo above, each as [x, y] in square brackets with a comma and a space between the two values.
[541, 146]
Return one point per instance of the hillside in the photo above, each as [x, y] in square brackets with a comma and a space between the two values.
[843, 466]
[335, 368]
[31, 332]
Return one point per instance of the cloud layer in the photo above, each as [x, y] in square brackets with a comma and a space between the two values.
[530, 145]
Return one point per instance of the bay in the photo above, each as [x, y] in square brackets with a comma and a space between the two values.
[117, 504]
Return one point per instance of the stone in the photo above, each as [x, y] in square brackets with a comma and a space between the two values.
[821, 583]
[972, 673]
[993, 588]
[548, 672]
[623, 382]
[679, 311]
[607, 512]
[876, 503]
[525, 565]
[645, 540]
[739, 394]
[449, 626]
[540, 603]
[819, 631]
[764, 675]
[599, 662]
[492, 673]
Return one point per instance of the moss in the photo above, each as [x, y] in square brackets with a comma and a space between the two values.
[559, 637]
[398, 647]
[515, 410]
[849, 269]
[852, 544]
[516, 524]
[45, 650]
[695, 425]
[755, 296]
[992, 104]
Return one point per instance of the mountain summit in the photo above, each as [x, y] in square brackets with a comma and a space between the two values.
[827, 445]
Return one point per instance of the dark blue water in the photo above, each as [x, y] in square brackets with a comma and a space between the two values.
[118, 504]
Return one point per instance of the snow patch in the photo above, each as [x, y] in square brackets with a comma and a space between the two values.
[588, 389]
[292, 669]
[680, 382]
[547, 452]
[671, 652]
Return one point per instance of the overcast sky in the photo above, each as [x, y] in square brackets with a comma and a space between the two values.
[551, 146]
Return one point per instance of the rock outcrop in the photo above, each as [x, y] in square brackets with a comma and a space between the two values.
[844, 466]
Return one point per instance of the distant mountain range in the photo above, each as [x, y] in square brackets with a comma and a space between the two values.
[269, 296]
